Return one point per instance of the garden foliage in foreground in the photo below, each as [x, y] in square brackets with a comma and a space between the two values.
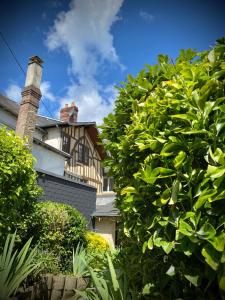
[167, 144]
[18, 185]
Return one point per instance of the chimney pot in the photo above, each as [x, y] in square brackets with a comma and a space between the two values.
[35, 59]
[66, 105]
[34, 72]
[73, 104]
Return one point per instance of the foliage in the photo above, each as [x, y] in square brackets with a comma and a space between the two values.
[14, 266]
[167, 145]
[57, 228]
[49, 262]
[110, 284]
[80, 262]
[97, 248]
[96, 242]
[18, 187]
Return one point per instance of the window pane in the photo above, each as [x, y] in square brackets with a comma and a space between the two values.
[66, 143]
[80, 153]
[110, 184]
[86, 156]
[105, 184]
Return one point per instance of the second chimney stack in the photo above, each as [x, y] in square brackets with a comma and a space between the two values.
[69, 113]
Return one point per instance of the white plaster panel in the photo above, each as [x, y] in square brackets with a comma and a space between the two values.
[54, 138]
[48, 160]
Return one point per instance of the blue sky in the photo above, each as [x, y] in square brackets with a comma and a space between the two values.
[89, 46]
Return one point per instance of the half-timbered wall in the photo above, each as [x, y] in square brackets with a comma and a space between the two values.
[88, 171]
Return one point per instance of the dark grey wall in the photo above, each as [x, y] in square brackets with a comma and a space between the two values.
[60, 189]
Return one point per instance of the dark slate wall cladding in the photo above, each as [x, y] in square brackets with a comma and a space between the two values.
[63, 190]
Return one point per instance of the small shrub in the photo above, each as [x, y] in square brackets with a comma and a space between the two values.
[96, 242]
[18, 187]
[58, 228]
[97, 247]
[49, 262]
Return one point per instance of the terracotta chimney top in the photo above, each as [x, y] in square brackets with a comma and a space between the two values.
[31, 96]
[69, 113]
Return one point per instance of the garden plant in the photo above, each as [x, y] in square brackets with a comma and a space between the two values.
[15, 266]
[166, 140]
[57, 229]
[18, 186]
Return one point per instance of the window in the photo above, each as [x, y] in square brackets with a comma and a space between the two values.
[83, 154]
[66, 143]
[107, 184]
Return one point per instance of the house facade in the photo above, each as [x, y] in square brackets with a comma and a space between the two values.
[81, 141]
[68, 155]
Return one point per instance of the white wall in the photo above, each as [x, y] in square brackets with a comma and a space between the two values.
[54, 138]
[48, 160]
[7, 119]
[106, 227]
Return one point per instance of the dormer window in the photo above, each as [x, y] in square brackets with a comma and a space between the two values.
[65, 143]
[83, 154]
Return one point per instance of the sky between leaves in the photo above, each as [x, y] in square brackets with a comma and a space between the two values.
[89, 46]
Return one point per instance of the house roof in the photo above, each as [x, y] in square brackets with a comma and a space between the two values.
[9, 105]
[51, 148]
[106, 210]
[43, 123]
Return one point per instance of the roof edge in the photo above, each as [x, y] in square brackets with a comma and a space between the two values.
[51, 148]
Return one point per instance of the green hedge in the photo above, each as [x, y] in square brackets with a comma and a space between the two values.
[18, 187]
[167, 144]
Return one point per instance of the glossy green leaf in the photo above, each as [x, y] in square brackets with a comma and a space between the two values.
[204, 196]
[192, 278]
[179, 159]
[128, 190]
[207, 231]
[185, 228]
[218, 242]
[212, 257]
[171, 271]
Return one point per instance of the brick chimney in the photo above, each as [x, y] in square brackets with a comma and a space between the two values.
[69, 113]
[31, 96]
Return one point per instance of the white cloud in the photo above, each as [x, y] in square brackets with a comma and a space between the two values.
[84, 31]
[14, 92]
[46, 91]
[146, 16]
[92, 106]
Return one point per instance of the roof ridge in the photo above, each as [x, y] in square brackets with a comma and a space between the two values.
[58, 120]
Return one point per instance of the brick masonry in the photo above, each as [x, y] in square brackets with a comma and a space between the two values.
[63, 190]
[69, 113]
[26, 121]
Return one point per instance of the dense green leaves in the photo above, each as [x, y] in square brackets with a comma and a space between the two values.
[18, 186]
[57, 229]
[166, 141]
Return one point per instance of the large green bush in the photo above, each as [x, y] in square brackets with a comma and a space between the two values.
[167, 144]
[18, 187]
[57, 228]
